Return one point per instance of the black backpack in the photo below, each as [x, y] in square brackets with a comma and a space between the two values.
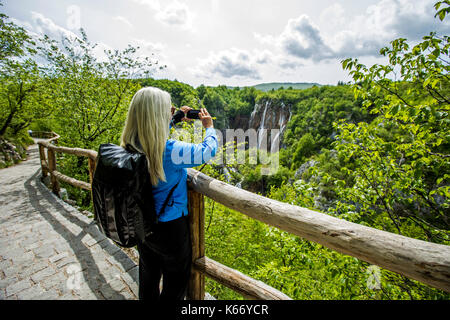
[122, 195]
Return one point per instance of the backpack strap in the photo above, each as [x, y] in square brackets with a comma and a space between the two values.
[166, 202]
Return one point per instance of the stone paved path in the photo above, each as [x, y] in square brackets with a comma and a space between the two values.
[49, 250]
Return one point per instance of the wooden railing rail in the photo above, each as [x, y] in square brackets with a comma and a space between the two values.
[426, 262]
[48, 164]
[50, 136]
[420, 260]
[201, 265]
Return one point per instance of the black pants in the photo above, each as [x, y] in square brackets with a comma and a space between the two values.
[168, 253]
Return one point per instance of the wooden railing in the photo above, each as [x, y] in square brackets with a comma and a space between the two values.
[424, 261]
[50, 136]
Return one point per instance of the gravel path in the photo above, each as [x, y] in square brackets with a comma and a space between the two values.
[49, 250]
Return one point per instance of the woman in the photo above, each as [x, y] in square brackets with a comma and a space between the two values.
[168, 252]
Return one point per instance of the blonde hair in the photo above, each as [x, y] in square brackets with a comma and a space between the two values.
[147, 128]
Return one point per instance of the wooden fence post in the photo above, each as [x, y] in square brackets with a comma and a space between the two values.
[43, 160]
[196, 289]
[53, 134]
[91, 178]
[52, 167]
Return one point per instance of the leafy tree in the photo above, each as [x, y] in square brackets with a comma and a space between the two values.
[92, 95]
[23, 91]
[181, 93]
[14, 40]
[227, 104]
[402, 160]
[304, 148]
[313, 114]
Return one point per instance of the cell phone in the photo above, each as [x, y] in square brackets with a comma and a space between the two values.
[193, 114]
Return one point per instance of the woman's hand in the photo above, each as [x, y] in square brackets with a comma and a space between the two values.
[185, 109]
[205, 117]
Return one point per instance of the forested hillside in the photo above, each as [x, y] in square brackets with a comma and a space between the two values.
[284, 85]
[374, 152]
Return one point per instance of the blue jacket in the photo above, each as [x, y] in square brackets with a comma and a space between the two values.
[177, 157]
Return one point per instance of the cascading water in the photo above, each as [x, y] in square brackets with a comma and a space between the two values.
[226, 174]
[276, 140]
[252, 116]
[229, 178]
[266, 116]
[261, 126]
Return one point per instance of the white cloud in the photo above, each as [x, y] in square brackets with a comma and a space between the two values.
[148, 46]
[334, 16]
[152, 4]
[262, 56]
[175, 13]
[289, 64]
[155, 51]
[215, 6]
[24, 24]
[99, 52]
[362, 35]
[303, 47]
[44, 25]
[302, 39]
[151, 49]
[232, 63]
[406, 18]
[41, 25]
[124, 21]
[264, 38]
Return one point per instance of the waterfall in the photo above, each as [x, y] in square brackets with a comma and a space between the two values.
[252, 116]
[282, 119]
[281, 125]
[229, 177]
[269, 120]
[261, 126]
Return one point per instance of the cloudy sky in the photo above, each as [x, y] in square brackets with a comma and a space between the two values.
[238, 42]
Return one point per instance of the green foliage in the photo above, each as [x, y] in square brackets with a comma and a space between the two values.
[299, 268]
[442, 12]
[374, 152]
[23, 94]
[388, 171]
[401, 159]
[275, 85]
[20, 142]
[92, 95]
[182, 94]
[226, 104]
[14, 40]
[304, 148]
[311, 126]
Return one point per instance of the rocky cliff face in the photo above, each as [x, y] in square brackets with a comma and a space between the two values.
[240, 121]
[11, 154]
[269, 114]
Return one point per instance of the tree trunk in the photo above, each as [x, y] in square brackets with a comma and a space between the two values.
[7, 122]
